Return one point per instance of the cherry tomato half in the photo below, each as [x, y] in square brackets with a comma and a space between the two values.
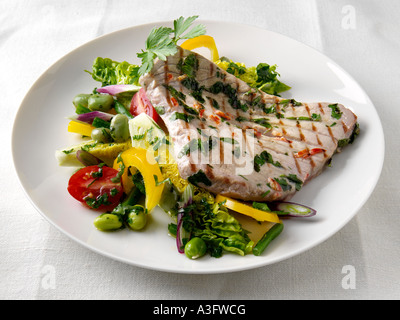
[140, 103]
[93, 186]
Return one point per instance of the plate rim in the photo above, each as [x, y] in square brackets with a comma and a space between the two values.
[262, 263]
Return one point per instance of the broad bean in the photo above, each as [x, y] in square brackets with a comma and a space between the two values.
[195, 248]
[137, 217]
[100, 102]
[81, 100]
[101, 135]
[119, 128]
[107, 222]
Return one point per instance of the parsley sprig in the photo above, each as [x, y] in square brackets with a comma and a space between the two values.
[162, 41]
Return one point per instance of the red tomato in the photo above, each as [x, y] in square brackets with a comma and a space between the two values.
[93, 187]
[140, 103]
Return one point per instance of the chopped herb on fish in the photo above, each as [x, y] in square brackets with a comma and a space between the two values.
[336, 113]
[199, 177]
[263, 158]
[262, 122]
[181, 116]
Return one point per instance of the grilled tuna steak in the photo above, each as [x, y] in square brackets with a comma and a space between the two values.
[237, 141]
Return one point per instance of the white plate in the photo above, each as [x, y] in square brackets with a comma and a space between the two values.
[41, 127]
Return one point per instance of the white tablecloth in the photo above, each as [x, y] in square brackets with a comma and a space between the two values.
[363, 36]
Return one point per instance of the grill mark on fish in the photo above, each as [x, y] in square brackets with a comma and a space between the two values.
[212, 67]
[283, 129]
[221, 151]
[298, 125]
[244, 135]
[296, 162]
[247, 143]
[312, 163]
[332, 136]
[345, 129]
[209, 172]
[318, 140]
[314, 128]
[193, 167]
[320, 108]
[223, 106]
[307, 109]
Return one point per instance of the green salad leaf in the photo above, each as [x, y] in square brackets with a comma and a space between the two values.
[220, 231]
[110, 72]
[207, 220]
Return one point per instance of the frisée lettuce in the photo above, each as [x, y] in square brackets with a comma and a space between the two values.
[110, 72]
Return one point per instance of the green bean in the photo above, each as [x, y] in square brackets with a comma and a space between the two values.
[107, 222]
[195, 248]
[120, 108]
[270, 235]
[137, 217]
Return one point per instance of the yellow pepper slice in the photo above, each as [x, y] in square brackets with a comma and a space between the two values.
[247, 210]
[143, 161]
[84, 129]
[202, 41]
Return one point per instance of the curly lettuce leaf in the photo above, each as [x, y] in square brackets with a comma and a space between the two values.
[220, 230]
[110, 72]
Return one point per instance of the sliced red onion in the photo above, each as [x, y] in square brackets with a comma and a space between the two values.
[179, 234]
[89, 117]
[87, 159]
[118, 88]
[187, 196]
[292, 209]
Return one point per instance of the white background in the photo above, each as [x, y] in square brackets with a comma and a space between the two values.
[36, 33]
